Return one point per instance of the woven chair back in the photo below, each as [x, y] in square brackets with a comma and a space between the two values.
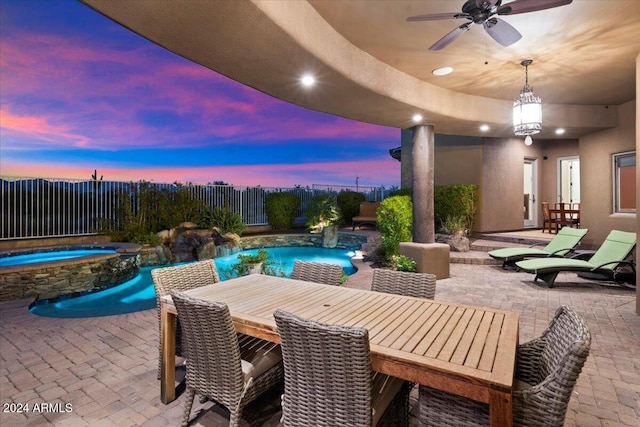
[567, 345]
[185, 277]
[318, 272]
[327, 370]
[418, 285]
[214, 366]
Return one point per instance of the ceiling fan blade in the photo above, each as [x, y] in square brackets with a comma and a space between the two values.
[436, 17]
[523, 6]
[451, 36]
[501, 31]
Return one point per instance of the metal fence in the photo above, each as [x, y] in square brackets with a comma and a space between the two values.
[45, 207]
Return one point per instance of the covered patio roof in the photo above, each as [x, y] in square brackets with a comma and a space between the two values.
[373, 66]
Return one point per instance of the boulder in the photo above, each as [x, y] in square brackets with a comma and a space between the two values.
[330, 236]
[458, 242]
[207, 250]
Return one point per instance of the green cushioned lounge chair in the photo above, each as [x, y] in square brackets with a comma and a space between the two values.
[605, 262]
[561, 245]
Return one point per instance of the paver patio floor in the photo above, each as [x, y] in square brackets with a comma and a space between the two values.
[105, 368]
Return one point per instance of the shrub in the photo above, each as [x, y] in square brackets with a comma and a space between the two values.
[395, 222]
[453, 201]
[224, 220]
[402, 192]
[349, 204]
[321, 212]
[402, 263]
[281, 210]
[453, 224]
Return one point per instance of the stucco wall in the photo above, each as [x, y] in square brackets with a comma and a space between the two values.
[501, 190]
[496, 166]
[596, 177]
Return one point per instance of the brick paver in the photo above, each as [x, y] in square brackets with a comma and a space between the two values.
[102, 371]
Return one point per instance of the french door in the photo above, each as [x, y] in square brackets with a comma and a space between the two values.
[530, 205]
[569, 179]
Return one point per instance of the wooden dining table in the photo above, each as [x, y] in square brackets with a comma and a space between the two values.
[562, 217]
[465, 350]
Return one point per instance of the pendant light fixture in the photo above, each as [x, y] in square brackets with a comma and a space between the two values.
[527, 109]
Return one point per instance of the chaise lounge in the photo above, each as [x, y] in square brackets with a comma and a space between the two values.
[562, 244]
[605, 262]
[367, 214]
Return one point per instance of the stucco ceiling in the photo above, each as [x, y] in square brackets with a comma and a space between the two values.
[373, 66]
[583, 53]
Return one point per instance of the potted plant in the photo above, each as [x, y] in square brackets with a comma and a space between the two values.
[250, 264]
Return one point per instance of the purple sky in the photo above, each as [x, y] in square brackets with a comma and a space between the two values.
[78, 92]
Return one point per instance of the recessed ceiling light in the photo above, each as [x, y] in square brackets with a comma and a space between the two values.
[484, 128]
[308, 80]
[442, 71]
[417, 118]
[559, 131]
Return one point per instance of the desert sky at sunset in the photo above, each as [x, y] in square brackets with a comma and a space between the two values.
[79, 92]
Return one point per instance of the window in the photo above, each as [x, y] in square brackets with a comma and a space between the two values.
[624, 181]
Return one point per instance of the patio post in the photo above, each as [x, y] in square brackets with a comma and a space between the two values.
[422, 165]
[430, 257]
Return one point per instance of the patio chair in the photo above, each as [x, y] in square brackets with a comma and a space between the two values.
[182, 278]
[328, 377]
[547, 219]
[419, 285]
[219, 367]
[318, 272]
[606, 261]
[562, 244]
[546, 372]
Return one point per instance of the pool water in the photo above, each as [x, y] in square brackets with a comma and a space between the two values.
[50, 256]
[138, 294]
[283, 258]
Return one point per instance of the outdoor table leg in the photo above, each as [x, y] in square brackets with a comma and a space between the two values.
[500, 409]
[168, 344]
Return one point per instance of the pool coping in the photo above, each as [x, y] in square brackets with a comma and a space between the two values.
[123, 250]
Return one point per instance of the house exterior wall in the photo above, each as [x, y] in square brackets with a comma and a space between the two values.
[496, 166]
[596, 177]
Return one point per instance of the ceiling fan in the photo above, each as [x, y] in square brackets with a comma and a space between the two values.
[486, 12]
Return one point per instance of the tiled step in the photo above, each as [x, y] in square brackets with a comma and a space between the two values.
[472, 257]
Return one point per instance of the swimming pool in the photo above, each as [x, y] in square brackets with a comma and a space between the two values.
[35, 257]
[138, 294]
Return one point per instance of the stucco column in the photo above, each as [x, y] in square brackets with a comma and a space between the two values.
[406, 147]
[422, 165]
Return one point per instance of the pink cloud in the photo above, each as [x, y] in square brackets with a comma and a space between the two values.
[38, 129]
[93, 95]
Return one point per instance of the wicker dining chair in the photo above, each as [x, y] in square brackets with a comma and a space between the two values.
[419, 285]
[328, 377]
[328, 274]
[546, 372]
[182, 278]
[219, 367]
